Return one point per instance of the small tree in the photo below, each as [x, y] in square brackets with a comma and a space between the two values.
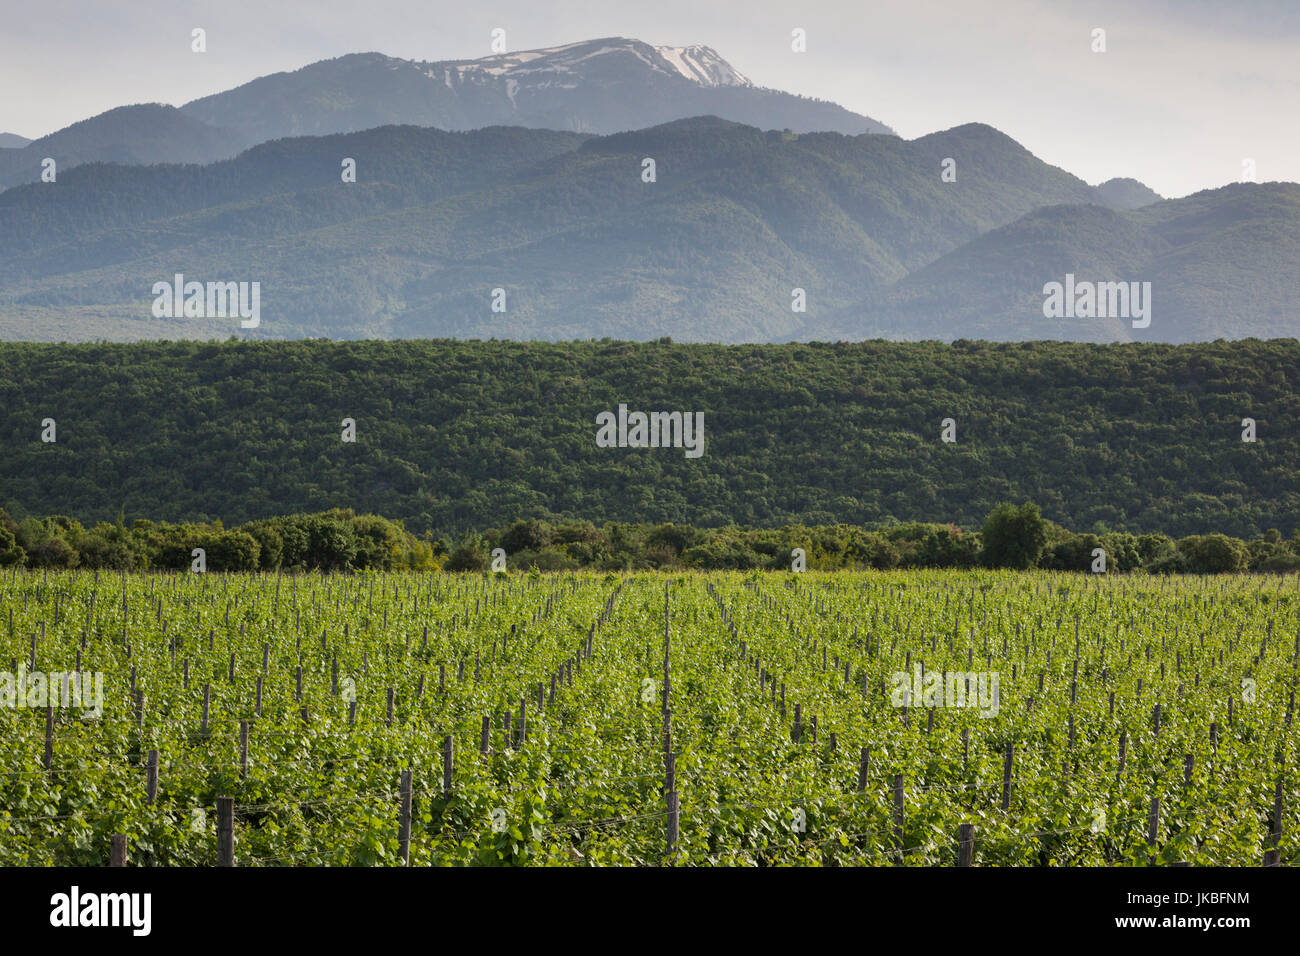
[527, 536]
[1213, 554]
[468, 556]
[232, 551]
[10, 552]
[1014, 537]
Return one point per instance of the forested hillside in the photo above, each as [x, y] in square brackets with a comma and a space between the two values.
[458, 435]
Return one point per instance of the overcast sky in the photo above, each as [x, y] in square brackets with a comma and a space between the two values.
[1186, 90]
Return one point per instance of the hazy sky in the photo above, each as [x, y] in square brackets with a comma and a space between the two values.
[1186, 90]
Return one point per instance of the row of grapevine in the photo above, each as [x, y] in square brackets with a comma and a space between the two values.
[719, 719]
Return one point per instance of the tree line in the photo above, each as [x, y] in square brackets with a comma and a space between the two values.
[1011, 536]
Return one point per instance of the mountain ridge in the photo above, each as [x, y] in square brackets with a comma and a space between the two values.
[1220, 264]
[139, 134]
[593, 86]
[582, 247]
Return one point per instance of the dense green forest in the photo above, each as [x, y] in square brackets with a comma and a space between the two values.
[453, 436]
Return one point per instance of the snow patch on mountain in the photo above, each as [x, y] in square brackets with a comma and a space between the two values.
[702, 65]
[697, 63]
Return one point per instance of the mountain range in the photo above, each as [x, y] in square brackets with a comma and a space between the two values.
[526, 173]
[596, 86]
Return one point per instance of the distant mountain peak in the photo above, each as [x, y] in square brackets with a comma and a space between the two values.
[12, 141]
[1126, 193]
[977, 134]
[605, 85]
[697, 63]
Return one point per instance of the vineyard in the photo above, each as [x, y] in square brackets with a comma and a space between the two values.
[1043, 719]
